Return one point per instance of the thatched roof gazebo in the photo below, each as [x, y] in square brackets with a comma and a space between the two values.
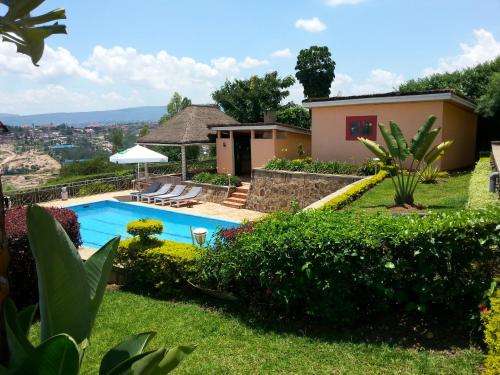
[187, 128]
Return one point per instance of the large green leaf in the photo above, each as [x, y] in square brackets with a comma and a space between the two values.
[57, 14]
[97, 268]
[25, 318]
[63, 289]
[147, 364]
[172, 359]
[127, 349]
[390, 141]
[377, 149]
[424, 144]
[19, 345]
[56, 356]
[421, 134]
[437, 152]
[403, 150]
[21, 8]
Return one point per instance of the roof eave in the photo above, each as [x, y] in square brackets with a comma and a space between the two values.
[446, 96]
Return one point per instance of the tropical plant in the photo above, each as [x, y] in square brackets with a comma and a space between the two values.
[398, 151]
[70, 294]
[315, 71]
[429, 174]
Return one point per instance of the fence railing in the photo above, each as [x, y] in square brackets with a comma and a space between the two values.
[74, 189]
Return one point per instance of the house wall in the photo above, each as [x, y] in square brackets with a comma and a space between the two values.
[329, 127]
[460, 125]
[288, 148]
[262, 151]
[225, 155]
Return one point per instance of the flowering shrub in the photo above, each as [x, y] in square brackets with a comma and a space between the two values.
[228, 235]
[343, 266]
[22, 270]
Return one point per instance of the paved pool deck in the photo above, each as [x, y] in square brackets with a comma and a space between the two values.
[214, 210]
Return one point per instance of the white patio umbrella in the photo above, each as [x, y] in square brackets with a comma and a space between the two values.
[137, 154]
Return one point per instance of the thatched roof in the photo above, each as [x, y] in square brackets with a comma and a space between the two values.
[188, 127]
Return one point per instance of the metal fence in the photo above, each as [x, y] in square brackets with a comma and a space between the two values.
[74, 189]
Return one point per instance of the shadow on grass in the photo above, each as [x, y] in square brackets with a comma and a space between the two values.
[396, 328]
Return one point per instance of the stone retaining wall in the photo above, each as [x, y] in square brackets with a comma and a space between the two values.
[275, 190]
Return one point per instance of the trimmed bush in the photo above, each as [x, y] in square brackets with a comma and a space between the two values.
[22, 269]
[479, 195]
[144, 228]
[216, 179]
[354, 192]
[343, 266]
[491, 320]
[155, 266]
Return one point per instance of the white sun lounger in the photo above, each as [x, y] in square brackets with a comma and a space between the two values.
[190, 195]
[148, 197]
[176, 191]
[151, 189]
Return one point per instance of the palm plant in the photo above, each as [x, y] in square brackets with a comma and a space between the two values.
[398, 151]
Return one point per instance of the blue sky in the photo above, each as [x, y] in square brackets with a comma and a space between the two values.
[125, 53]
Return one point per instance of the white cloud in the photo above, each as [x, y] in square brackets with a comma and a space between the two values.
[336, 3]
[282, 53]
[250, 62]
[226, 66]
[485, 48]
[313, 25]
[56, 63]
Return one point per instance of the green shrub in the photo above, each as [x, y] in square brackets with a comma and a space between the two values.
[313, 166]
[354, 192]
[216, 179]
[491, 320]
[155, 266]
[96, 188]
[343, 266]
[479, 195]
[144, 228]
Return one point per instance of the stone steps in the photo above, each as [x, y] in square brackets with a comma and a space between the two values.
[238, 199]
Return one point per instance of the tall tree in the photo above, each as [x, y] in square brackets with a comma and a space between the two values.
[489, 104]
[176, 104]
[116, 138]
[28, 34]
[144, 130]
[246, 100]
[315, 71]
[295, 115]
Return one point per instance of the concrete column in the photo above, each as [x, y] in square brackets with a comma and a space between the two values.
[183, 163]
[252, 134]
[275, 134]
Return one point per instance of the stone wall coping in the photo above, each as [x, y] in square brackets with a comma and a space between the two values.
[298, 173]
[323, 201]
[203, 184]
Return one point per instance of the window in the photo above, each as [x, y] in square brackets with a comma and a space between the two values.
[361, 126]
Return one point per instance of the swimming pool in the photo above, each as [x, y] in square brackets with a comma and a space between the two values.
[100, 221]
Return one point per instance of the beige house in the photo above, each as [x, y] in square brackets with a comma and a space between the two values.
[338, 122]
[243, 147]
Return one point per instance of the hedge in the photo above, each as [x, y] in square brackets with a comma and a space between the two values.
[491, 319]
[22, 269]
[216, 179]
[479, 194]
[343, 266]
[155, 266]
[326, 167]
[354, 192]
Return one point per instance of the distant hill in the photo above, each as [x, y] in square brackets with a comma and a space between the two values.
[152, 113]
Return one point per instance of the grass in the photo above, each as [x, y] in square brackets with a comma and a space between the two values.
[229, 344]
[479, 194]
[451, 193]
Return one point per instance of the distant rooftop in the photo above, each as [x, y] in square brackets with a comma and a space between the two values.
[392, 97]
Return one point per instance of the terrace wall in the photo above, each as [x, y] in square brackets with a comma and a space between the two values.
[275, 190]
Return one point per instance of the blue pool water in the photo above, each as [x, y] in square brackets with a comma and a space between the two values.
[103, 220]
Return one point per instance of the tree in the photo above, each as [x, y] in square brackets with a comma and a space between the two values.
[116, 139]
[176, 104]
[246, 100]
[405, 182]
[144, 130]
[28, 34]
[295, 115]
[315, 71]
[489, 104]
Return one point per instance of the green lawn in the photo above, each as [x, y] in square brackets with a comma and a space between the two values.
[450, 193]
[229, 344]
